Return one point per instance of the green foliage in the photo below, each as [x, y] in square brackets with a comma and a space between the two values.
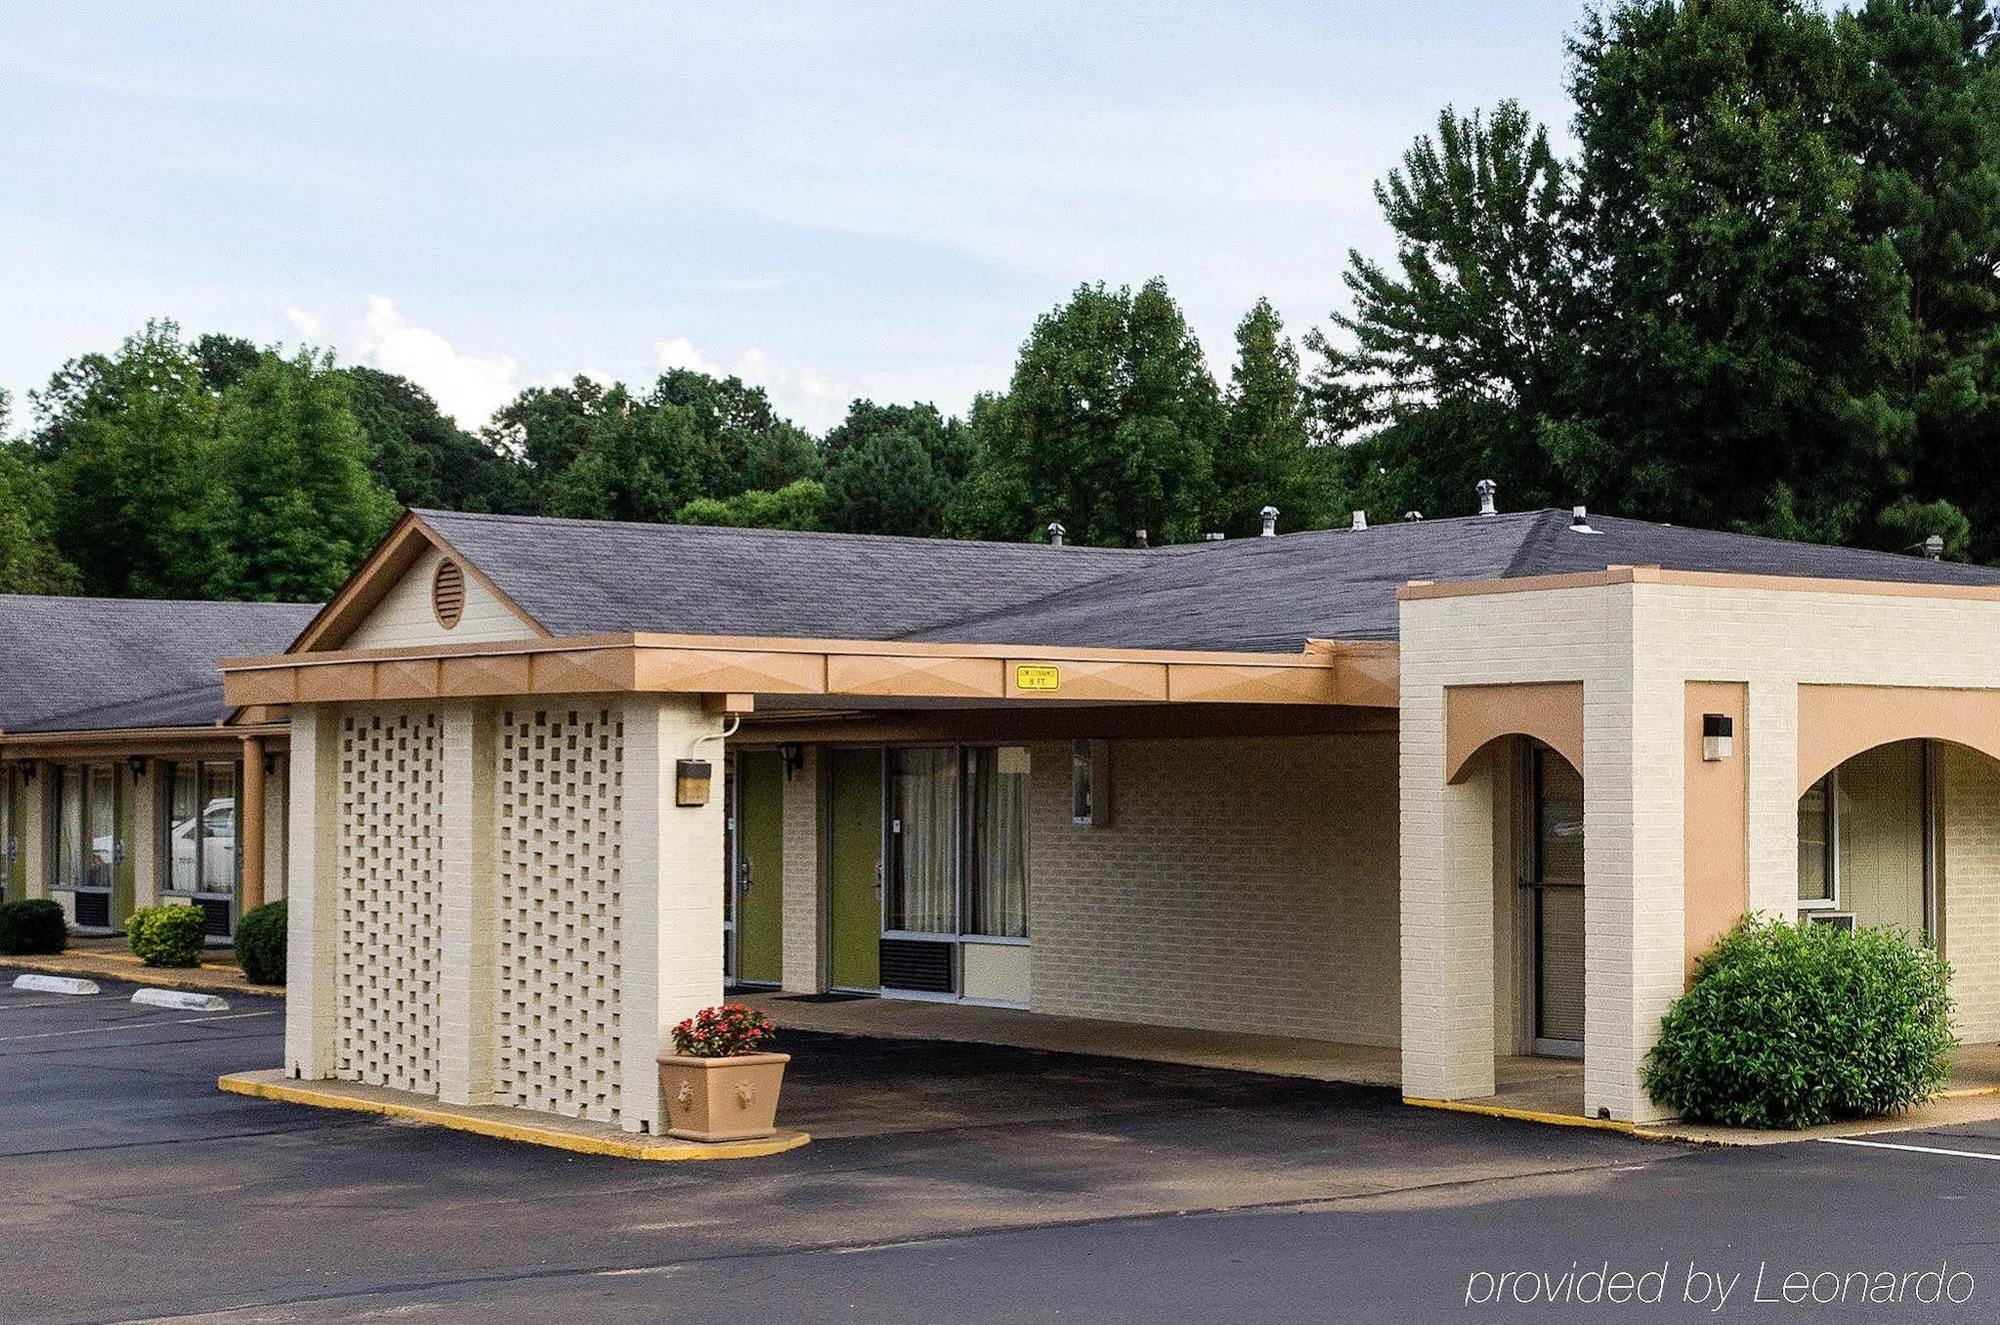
[260, 944]
[29, 561]
[1108, 425]
[894, 469]
[425, 459]
[286, 504]
[1796, 1025]
[34, 925]
[167, 935]
[799, 505]
[1264, 455]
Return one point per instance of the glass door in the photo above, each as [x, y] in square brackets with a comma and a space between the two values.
[203, 860]
[1553, 903]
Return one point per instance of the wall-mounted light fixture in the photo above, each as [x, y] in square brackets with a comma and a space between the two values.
[1718, 736]
[691, 781]
[794, 756]
[138, 766]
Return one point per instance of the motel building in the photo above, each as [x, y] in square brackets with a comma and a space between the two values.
[1463, 793]
[124, 780]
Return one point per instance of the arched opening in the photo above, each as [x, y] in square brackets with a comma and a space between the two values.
[1868, 840]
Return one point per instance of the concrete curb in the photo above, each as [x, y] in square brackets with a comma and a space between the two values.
[117, 968]
[273, 1085]
[181, 999]
[55, 984]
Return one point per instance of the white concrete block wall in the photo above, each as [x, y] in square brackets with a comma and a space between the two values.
[467, 936]
[1968, 791]
[1241, 884]
[312, 913]
[802, 953]
[672, 862]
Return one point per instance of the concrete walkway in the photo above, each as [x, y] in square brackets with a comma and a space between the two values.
[111, 959]
[906, 1019]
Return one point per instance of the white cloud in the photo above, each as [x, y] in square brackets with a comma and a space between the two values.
[469, 389]
[807, 397]
[304, 324]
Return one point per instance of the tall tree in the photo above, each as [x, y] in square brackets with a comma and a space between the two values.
[423, 457]
[29, 562]
[1108, 425]
[893, 469]
[637, 462]
[288, 508]
[1461, 354]
[124, 435]
[1265, 455]
[1743, 328]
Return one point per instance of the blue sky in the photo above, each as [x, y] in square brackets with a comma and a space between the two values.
[833, 200]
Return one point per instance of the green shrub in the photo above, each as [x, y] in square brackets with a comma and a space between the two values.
[167, 935]
[32, 926]
[1795, 1025]
[260, 944]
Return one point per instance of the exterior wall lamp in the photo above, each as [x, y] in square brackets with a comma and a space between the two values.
[1718, 737]
[692, 778]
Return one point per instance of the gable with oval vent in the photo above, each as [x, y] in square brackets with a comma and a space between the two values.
[448, 592]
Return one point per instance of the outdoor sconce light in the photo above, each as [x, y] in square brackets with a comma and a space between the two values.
[794, 756]
[691, 779]
[1718, 736]
[138, 765]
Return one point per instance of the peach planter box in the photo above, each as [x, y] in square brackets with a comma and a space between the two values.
[722, 1099]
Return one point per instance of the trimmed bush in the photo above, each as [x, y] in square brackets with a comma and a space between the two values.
[167, 935]
[260, 944]
[32, 926]
[1795, 1025]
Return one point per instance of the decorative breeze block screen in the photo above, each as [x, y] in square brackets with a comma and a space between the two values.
[391, 898]
[560, 794]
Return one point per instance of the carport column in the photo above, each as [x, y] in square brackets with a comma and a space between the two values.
[468, 938]
[312, 935]
[671, 873]
[803, 968]
[1447, 913]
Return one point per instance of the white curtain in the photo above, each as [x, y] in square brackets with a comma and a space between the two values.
[1000, 842]
[926, 812]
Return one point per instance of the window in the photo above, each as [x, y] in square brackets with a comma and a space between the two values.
[958, 842]
[1867, 834]
[83, 832]
[1558, 820]
[997, 821]
[200, 823]
[1816, 843]
[10, 835]
[923, 841]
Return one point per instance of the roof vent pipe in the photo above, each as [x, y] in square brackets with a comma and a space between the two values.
[1141, 538]
[1056, 532]
[1360, 520]
[1487, 488]
[1412, 517]
[1934, 548]
[1579, 521]
[1270, 514]
[1214, 536]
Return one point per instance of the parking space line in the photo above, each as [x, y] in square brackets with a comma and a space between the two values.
[1915, 1150]
[138, 1026]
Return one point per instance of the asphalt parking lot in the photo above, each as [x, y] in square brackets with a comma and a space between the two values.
[947, 1182]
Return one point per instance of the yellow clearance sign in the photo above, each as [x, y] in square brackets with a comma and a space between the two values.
[1037, 676]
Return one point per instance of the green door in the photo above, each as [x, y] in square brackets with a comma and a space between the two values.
[855, 877]
[760, 913]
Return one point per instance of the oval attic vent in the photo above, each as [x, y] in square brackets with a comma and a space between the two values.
[448, 593]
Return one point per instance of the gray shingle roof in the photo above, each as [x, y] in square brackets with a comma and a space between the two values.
[581, 577]
[95, 664]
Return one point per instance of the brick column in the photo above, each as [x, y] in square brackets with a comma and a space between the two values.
[804, 966]
[312, 937]
[148, 864]
[250, 818]
[1447, 919]
[35, 832]
[671, 867]
[468, 940]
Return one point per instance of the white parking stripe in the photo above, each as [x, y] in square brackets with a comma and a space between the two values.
[1916, 1150]
[137, 1026]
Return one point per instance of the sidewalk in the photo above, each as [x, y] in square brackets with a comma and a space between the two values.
[111, 959]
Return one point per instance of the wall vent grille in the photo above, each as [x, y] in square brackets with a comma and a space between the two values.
[448, 593]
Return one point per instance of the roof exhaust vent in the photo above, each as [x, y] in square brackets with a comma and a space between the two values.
[1411, 517]
[1360, 521]
[1270, 514]
[1140, 540]
[1579, 521]
[1056, 532]
[1214, 536]
[1934, 548]
[1487, 490]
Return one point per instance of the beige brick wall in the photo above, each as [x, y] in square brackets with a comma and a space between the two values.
[1968, 790]
[1241, 884]
[801, 965]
